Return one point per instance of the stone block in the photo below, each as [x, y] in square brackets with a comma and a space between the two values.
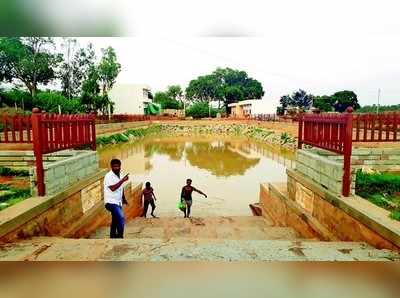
[304, 197]
[59, 171]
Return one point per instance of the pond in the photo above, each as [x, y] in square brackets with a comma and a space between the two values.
[229, 170]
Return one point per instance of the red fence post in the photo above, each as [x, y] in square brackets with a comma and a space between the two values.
[37, 149]
[93, 124]
[347, 146]
[300, 133]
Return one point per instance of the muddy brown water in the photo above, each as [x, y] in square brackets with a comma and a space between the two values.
[228, 169]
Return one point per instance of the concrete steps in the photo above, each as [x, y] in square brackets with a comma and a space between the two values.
[59, 249]
[199, 239]
[229, 228]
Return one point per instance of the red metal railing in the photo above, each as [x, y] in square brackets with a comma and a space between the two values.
[53, 133]
[15, 129]
[336, 132]
[330, 132]
[376, 127]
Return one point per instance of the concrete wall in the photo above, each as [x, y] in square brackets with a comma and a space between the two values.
[110, 128]
[67, 171]
[76, 212]
[326, 168]
[334, 217]
[61, 169]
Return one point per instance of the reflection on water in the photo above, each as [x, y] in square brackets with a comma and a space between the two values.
[228, 170]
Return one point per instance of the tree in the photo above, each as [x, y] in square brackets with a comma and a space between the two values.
[28, 60]
[225, 85]
[82, 64]
[90, 89]
[285, 101]
[344, 99]
[66, 73]
[204, 89]
[299, 99]
[201, 110]
[175, 92]
[108, 69]
[166, 102]
[323, 103]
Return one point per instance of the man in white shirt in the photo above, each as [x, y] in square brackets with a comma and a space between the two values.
[114, 198]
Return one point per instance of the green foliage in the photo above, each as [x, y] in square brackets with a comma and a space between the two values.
[372, 109]
[201, 110]
[298, 99]
[127, 135]
[32, 60]
[4, 171]
[380, 189]
[175, 92]
[344, 99]
[337, 102]
[166, 101]
[10, 195]
[50, 100]
[28, 60]
[323, 103]
[108, 69]
[226, 85]
[16, 96]
[367, 184]
[280, 110]
[285, 137]
[395, 214]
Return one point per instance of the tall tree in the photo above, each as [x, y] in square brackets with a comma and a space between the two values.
[108, 69]
[226, 85]
[302, 100]
[29, 60]
[66, 73]
[82, 65]
[323, 103]
[91, 89]
[344, 99]
[299, 99]
[175, 92]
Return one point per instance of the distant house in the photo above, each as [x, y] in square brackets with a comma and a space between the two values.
[130, 98]
[250, 107]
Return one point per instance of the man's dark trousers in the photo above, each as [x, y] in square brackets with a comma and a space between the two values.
[117, 221]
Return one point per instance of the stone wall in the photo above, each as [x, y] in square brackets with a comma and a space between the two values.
[326, 168]
[332, 216]
[67, 170]
[76, 212]
[109, 128]
[61, 169]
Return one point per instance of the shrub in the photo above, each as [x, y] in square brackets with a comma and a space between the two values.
[15, 96]
[4, 171]
[368, 184]
[50, 100]
[200, 110]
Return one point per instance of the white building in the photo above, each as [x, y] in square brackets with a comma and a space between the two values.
[130, 98]
[252, 107]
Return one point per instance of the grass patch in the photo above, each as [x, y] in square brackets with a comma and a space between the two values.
[381, 189]
[4, 171]
[126, 136]
[10, 195]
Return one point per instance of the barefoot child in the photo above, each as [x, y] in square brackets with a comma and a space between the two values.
[148, 198]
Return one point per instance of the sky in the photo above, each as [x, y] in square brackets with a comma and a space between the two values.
[321, 46]
[281, 66]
